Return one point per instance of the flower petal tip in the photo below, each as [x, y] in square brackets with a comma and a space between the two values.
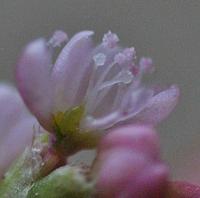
[86, 33]
[159, 106]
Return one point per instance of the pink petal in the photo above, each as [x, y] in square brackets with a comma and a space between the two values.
[16, 126]
[71, 71]
[125, 173]
[159, 106]
[115, 172]
[15, 142]
[152, 182]
[12, 109]
[139, 138]
[33, 79]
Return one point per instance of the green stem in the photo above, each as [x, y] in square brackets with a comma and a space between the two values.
[32, 165]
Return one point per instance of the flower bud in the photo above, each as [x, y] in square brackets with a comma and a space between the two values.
[128, 164]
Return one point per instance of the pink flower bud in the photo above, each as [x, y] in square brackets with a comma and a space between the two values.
[129, 165]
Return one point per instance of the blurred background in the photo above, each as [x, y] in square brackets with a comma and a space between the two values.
[166, 30]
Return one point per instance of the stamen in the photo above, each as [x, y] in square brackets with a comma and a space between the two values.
[94, 91]
[102, 123]
[134, 69]
[125, 101]
[120, 58]
[99, 59]
[137, 101]
[103, 75]
[126, 56]
[120, 93]
[58, 38]
[146, 65]
[124, 76]
[95, 95]
[110, 40]
[130, 53]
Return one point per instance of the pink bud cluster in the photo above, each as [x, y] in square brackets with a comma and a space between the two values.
[130, 165]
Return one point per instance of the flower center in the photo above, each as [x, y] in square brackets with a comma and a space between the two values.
[105, 77]
[69, 137]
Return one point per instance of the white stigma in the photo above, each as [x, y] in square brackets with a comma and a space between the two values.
[99, 59]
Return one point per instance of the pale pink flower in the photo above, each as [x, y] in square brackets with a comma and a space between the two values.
[98, 88]
[105, 80]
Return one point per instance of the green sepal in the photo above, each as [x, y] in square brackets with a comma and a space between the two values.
[62, 183]
[69, 137]
[20, 176]
[68, 122]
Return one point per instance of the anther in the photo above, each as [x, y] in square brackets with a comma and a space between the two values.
[58, 38]
[146, 65]
[110, 39]
[127, 55]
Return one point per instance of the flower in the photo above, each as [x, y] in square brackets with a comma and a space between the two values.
[16, 125]
[89, 89]
[128, 164]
